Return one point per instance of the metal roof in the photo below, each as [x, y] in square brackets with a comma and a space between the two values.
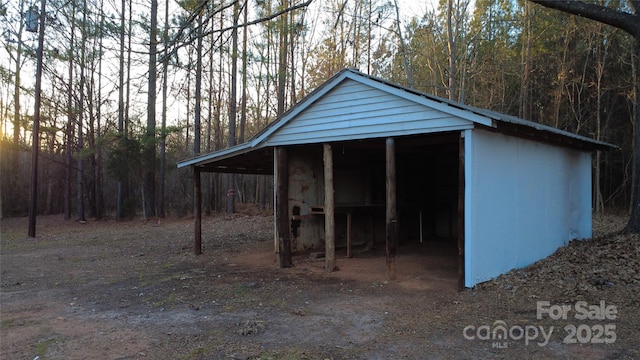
[256, 156]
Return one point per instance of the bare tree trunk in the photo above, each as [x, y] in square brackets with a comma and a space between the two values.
[16, 97]
[601, 53]
[150, 148]
[70, 120]
[163, 127]
[243, 106]
[453, 51]
[80, 162]
[208, 178]
[218, 138]
[292, 29]
[91, 136]
[403, 48]
[232, 107]
[128, 99]
[197, 132]
[98, 170]
[119, 195]
[35, 145]
[636, 80]
[198, 92]
[526, 63]
[282, 62]
[562, 78]
[48, 204]
[188, 97]
[633, 226]
[94, 101]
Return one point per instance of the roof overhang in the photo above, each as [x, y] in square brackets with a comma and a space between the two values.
[240, 159]
[555, 137]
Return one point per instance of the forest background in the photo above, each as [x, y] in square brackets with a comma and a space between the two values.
[131, 87]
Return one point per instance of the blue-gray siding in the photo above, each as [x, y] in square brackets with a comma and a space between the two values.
[353, 110]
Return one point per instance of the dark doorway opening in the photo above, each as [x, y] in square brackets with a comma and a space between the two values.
[427, 191]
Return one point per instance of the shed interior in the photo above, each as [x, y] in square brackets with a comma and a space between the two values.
[427, 183]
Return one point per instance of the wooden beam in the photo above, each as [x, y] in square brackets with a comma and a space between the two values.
[197, 211]
[461, 200]
[349, 254]
[391, 234]
[275, 201]
[282, 207]
[329, 210]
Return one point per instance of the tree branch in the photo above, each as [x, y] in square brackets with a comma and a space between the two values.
[626, 21]
[176, 44]
[264, 19]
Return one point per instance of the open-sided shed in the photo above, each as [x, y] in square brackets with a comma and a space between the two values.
[362, 162]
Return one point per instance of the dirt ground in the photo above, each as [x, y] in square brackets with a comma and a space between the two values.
[134, 290]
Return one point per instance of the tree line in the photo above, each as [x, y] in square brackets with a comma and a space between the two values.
[130, 88]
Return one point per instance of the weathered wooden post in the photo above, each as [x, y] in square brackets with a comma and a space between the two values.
[197, 211]
[391, 235]
[349, 254]
[329, 210]
[282, 208]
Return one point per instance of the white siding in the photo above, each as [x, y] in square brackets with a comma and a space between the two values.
[524, 199]
[353, 110]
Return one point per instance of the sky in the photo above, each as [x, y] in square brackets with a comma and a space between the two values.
[409, 8]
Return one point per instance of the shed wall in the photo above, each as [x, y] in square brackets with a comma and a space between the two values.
[306, 190]
[524, 199]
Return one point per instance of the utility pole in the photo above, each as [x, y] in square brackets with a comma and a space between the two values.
[32, 26]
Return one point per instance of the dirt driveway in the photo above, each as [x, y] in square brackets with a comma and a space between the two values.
[134, 290]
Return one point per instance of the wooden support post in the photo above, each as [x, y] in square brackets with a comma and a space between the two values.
[282, 207]
[391, 234]
[461, 186]
[197, 211]
[349, 254]
[329, 210]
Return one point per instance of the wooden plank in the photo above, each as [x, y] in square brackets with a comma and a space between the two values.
[387, 105]
[197, 211]
[349, 254]
[388, 118]
[391, 233]
[461, 199]
[282, 198]
[275, 201]
[329, 210]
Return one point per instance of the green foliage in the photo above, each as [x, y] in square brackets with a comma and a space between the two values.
[169, 130]
[125, 158]
[6, 75]
[43, 345]
[190, 5]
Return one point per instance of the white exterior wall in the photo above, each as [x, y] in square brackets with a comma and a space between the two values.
[523, 200]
